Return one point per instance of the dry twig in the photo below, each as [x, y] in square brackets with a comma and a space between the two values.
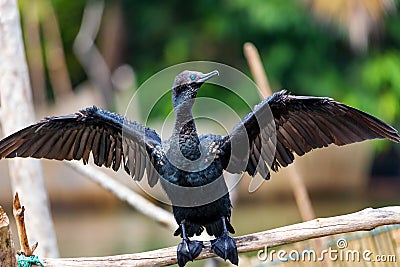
[18, 211]
[366, 219]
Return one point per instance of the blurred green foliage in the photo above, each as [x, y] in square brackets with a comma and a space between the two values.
[300, 53]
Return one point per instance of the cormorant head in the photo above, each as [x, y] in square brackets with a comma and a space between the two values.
[186, 85]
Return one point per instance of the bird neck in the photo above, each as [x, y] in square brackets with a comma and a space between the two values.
[185, 131]
[184, 122]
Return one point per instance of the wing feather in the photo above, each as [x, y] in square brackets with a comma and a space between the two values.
[118, 153]
[111, 151]
[88, 146]
[89, 131]
[80, 143]
[301, 123]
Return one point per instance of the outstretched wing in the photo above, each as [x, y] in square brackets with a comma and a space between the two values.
[301, 124]
[112, 139]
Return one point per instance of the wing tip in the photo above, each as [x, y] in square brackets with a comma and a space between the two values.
[395, 138]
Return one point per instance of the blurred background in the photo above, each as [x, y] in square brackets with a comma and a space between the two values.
[83, 53]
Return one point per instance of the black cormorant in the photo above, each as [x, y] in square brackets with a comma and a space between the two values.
[301, 123]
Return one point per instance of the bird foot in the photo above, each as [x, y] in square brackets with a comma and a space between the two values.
[225, 247]
[188, 251]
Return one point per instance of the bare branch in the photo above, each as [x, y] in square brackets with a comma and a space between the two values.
[19, 217]
[7, 252]
[125, 194]
[257, 69]
[366, 219]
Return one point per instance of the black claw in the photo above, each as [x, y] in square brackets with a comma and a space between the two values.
[225, 247]
[188, 251]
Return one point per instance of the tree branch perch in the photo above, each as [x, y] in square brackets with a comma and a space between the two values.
[364, 220]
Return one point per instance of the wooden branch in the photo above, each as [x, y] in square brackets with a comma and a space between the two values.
[18, 211]
[125, 194]
[7, 251]
[257, 69]
[299, 188]
[364, 220]
[17, 112]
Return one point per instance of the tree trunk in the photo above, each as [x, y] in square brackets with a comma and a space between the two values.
[7, 252]
[17, 112]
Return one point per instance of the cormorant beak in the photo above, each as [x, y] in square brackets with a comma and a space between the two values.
[208, 76]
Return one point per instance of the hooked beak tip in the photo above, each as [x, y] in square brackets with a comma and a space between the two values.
[209, 75]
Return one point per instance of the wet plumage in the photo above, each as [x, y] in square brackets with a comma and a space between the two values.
[266, 139]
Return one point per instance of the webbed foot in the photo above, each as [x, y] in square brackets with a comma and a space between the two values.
[188, 251]
[225, 247]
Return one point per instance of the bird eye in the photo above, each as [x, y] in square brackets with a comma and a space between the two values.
[192, 77]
